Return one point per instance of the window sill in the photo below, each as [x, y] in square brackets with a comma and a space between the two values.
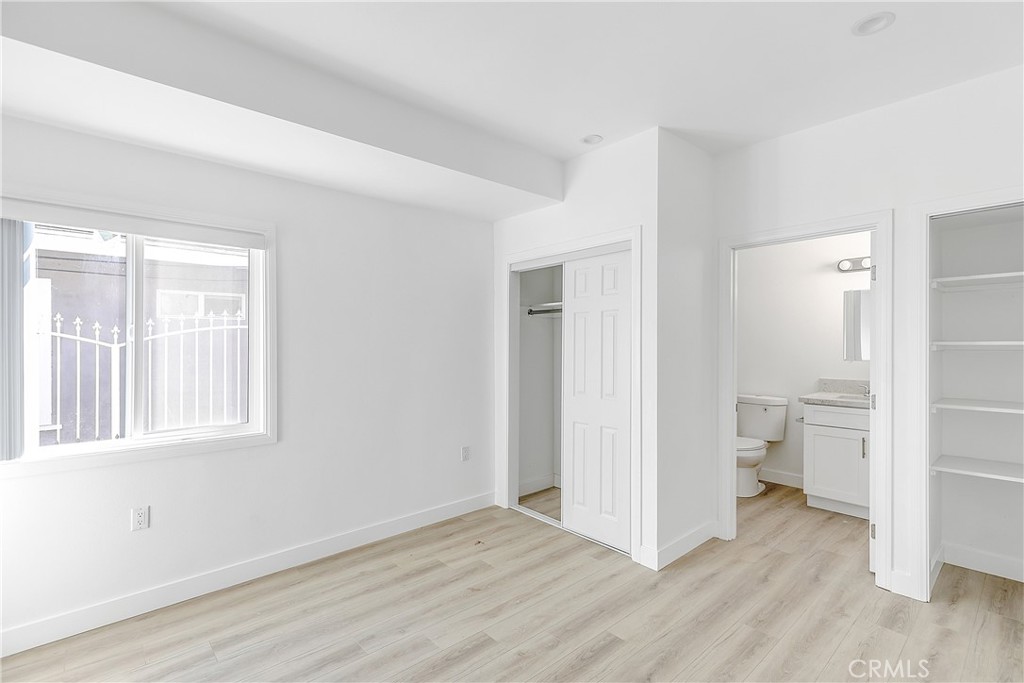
[80, 458]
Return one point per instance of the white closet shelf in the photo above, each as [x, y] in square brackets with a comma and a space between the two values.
[983, 280]
[979, 406]
[978, 345]
[976, 467]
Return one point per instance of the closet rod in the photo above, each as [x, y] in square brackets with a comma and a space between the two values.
[542, 311]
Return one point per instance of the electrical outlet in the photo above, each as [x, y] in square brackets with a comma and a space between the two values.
[140, 518]
[465, 453]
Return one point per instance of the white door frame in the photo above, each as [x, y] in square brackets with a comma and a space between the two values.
[881, 436]
[506, 414]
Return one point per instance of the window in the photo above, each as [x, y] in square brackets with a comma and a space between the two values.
[135, 339]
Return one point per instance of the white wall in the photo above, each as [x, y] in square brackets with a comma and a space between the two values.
[385, 370]
[954, 142]
[687, 348]
[789, 330]
[661, 183]
[540, 377]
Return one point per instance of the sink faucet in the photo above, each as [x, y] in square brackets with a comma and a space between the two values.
[866, 388]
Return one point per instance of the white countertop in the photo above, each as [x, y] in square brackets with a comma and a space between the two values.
[831, 398]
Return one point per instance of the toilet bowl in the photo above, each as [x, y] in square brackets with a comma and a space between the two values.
[760, 420]
[750, 454]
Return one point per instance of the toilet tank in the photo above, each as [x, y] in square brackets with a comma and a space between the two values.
[761, 417]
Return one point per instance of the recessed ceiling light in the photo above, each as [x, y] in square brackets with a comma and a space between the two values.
[592, 139]
[879, 21]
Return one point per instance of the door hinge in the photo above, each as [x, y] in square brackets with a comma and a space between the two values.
[872, 531]
[874, 273]
[872, 401]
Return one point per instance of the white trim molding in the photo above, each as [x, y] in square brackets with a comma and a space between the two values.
[11, 340]
[25, 636]
[780, 477]
[669, 553]
[981, 561]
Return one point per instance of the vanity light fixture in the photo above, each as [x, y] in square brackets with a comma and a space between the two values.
[592, 139]
[879, 21]
[852, 265]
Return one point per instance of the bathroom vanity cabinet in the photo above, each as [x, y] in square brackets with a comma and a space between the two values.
[836, 459]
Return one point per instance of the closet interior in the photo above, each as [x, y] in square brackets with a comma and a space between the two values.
[540, 391]
[976, 391]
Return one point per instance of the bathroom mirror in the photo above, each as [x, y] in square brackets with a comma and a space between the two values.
[857, 324]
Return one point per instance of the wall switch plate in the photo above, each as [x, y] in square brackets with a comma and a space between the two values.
[465, 453]
[140, 518]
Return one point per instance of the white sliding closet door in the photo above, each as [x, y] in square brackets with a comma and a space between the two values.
[596, 398]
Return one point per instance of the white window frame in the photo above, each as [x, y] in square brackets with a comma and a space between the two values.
[17, 456]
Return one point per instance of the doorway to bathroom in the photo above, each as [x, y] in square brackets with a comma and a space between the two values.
[806, 383]
[571, 411]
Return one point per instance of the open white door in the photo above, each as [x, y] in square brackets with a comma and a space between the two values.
[596, 398]
[876, 380]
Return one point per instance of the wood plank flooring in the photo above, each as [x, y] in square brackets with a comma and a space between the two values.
[497, 596]
[547, 502]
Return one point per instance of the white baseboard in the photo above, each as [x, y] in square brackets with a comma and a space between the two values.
[936, 566]
[983, 561]
[838, 506]
[558, 481]
[538, 484]
[668, 554]
[649, 557]
[780, 477]
[25, 636]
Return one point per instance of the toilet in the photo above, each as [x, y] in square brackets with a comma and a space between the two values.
[759, 420]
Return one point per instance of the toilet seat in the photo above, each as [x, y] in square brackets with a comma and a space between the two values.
[744, 443]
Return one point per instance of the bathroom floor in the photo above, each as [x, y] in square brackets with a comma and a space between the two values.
[547, 502]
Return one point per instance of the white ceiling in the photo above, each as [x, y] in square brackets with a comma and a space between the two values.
[38, 84]
[720, 74]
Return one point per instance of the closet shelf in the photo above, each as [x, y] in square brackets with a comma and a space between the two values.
[979, 406]
[978, 345]
[976, 467]
[978, 281]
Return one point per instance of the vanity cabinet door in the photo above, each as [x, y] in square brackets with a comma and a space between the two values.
[836, 464]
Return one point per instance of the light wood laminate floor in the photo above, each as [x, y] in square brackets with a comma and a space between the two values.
[547, 502]
[497, 596]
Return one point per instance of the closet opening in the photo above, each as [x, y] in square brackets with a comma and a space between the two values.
[572, 360]
[975, 391]
[540, 391]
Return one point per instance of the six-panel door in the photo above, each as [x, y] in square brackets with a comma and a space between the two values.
[596, 398]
